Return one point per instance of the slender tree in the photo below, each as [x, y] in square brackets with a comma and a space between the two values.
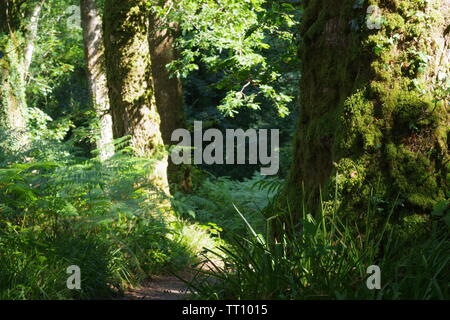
[17, 38]
[374, 124]
[31, 33]
[130, 81]
[91, 22]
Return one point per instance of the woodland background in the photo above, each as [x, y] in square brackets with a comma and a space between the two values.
[92, 90]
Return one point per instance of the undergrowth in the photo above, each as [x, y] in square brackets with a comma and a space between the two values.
[105, 218]
[326, 256]
[212, 203]
[100, 216]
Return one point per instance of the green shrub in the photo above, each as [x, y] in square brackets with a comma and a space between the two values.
[328, 259]
[213, 201]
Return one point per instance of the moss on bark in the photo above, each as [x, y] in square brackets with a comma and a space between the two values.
[130, 82]
[373, 123]
[12, 75]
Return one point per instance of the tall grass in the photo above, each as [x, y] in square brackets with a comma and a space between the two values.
[328, 259]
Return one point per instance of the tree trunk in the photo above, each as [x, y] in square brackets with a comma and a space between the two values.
[168, 92]
[31, 34]
[130, 82]
[94, 51]
[13, 70]
[373, 124]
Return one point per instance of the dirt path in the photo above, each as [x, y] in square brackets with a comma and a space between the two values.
[159, 288]
[167, 287]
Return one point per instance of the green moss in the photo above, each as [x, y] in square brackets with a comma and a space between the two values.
[414, 177]
[361, 128]
[130, 81]
[363, 110]
[411, 109]
[12, 84]
[394, 22]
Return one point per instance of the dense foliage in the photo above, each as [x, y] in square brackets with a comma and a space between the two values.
[61, 205]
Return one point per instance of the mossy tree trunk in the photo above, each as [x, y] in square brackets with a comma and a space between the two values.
[168, 90]
[17, 37]
[130, 81]
[374, 123]
[94, 51]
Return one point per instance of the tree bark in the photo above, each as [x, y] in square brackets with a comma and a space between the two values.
[373, 125]
[130, 82]
[13, 70]
[96, 70]
[168, 91]
[31, 35]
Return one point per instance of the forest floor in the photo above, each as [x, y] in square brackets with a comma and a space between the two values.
[170, 287]
[159, 288]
